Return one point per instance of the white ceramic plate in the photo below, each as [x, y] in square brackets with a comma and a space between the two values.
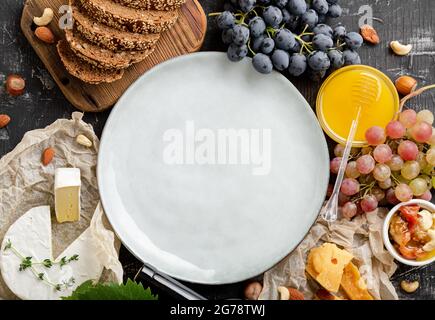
[212, 223]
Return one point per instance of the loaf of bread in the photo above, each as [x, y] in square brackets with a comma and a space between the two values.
[128, 19]
[101, 57]
[83, 70]
[111, 38]
[152, 4]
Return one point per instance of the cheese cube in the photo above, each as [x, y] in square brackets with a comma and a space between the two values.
[67, 185]
[326, 264]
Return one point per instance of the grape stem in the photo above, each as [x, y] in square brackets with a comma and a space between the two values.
[338, 47]
[241, 23]
[395, 180]
[305, 45]
[249, 48]
[271, 32]
[412, 95]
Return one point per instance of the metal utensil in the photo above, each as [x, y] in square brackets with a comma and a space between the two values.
[172, 284]
[365, 92]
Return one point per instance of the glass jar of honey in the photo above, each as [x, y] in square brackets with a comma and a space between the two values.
[336, 111]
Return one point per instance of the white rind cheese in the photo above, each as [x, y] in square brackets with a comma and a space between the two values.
[67, 185]
[31, 236]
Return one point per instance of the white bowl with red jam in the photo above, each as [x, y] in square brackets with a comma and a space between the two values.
[409, 233]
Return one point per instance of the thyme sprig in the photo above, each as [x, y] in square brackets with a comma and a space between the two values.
[27, 263]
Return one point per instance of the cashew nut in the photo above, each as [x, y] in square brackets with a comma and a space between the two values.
[409, 287]
[253, 290]
[425, 220]
[400, 49]
[45, 19]
[430, 246]
[284, 294]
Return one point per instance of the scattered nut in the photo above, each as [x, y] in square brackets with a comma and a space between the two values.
[430, 246]
[400, 49]
[425, 220]
[45, 19]
[406, 84]
[253, 290]
[84, 141]
[45, 34]
[409, 287]
[47, 156]
[323, 294]
[287, 293]
[4, 120]
[370, 34]
[15, 85]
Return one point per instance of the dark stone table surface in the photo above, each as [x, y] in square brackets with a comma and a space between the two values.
[407, 21]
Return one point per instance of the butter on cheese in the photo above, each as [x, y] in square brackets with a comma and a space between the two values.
[353, 284]
[67, 185]
[326, 264]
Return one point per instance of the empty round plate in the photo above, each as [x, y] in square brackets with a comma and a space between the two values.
[211, 172]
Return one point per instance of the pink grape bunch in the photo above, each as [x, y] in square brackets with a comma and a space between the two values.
[396, 166]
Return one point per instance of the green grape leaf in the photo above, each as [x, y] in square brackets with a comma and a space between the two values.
[111, 291]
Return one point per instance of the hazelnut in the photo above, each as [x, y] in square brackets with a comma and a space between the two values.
[406, 85]
[253, 290]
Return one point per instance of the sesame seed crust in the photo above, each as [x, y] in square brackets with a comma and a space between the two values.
[128, 19]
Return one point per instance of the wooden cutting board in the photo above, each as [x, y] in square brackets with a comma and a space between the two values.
[186, 36]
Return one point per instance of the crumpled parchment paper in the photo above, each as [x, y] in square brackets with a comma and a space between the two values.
[25, 183]
[362, 237]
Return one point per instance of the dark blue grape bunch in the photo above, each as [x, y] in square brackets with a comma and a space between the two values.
[295, 37]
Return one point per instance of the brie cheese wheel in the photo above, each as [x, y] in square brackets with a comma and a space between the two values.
[31, 236]
[67, 185]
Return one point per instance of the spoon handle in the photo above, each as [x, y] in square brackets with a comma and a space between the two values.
[333, 215]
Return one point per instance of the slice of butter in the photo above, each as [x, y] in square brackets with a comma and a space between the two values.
[67, 185]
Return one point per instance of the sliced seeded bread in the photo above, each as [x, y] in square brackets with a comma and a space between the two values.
[83, 70]
[128, 19]
[101, 57]
[152, 4]
[111, 38]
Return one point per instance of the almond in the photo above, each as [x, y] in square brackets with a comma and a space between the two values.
[323, 294]
[4, 120]
[44, 34]
[84, 141]
[370, 34]
[47, 156]
[15, 85]
[295, 294]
